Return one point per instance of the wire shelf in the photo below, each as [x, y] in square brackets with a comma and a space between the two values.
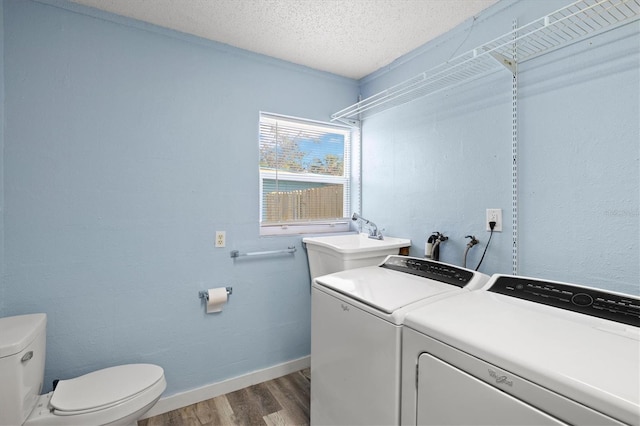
[577, 21]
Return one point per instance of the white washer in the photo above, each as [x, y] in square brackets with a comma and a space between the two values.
[525, 351]
[356, 328]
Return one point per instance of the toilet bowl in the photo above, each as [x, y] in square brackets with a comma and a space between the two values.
[117, 395]
[113, 396]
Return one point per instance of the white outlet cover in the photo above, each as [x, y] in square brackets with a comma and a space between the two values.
[221, 238]
[494, 215]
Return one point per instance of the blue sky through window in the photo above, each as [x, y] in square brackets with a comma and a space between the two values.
[329, 143]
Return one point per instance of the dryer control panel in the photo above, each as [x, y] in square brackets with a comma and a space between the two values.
[616, 307]
[429, 269]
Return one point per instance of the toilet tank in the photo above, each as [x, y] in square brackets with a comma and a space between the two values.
[22, 356]
[336, 253]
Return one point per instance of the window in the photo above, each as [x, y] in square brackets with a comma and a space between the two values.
[305, 171]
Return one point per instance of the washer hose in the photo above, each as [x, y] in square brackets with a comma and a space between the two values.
[434, 240]
[470, 244]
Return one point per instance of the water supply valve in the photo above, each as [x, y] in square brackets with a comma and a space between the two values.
[432, 247]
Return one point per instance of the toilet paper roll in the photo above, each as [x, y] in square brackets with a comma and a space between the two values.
[217, 299]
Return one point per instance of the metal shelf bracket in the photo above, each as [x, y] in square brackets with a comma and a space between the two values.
[509, 63]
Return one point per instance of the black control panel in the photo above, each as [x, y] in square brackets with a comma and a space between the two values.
[429, 269]
[615, 307]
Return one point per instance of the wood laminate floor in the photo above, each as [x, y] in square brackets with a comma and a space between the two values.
[281, 401]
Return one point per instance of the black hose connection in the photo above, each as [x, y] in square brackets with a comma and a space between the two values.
[470, 244]
[434, 241]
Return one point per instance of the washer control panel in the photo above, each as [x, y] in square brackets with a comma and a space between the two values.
[429, 269]
[589, 301]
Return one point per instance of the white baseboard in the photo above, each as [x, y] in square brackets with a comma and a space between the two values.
[173, 402]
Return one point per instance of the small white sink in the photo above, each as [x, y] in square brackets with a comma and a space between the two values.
[340, 252]
[357, 243]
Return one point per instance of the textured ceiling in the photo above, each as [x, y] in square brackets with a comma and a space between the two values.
[351, 38]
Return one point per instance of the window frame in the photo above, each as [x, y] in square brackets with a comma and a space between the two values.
[312, 226]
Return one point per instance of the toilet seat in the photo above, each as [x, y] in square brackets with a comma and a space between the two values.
[103, 389]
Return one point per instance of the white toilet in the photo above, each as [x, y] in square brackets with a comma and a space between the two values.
[112, 396]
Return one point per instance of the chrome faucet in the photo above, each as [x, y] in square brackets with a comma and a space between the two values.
[373, 229]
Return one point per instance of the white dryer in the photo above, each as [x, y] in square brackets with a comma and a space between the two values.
[525, 351]
[356, 336]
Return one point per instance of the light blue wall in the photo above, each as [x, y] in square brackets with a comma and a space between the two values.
[126, 148]
[442, 160]
[2, 282]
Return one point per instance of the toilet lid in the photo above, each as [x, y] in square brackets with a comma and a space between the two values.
[103, 388]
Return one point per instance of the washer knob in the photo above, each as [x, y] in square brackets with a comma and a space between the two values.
[582, 299]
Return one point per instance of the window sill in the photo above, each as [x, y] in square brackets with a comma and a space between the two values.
[304, 228]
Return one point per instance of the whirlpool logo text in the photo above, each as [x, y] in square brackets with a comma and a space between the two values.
[500, 379]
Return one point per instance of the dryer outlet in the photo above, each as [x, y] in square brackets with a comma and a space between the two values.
[494, 215]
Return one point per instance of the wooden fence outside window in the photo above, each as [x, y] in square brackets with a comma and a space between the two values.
[308, 204]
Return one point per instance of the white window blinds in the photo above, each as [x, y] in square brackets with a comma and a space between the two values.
[305, 175]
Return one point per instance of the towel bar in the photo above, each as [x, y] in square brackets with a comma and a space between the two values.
[289, 250]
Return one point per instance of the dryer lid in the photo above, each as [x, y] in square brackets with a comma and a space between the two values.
[105, 387]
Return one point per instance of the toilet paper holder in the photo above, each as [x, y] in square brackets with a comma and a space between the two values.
[205, 295]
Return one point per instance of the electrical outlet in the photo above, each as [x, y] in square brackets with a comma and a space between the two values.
[221, 238]
[494, 215]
